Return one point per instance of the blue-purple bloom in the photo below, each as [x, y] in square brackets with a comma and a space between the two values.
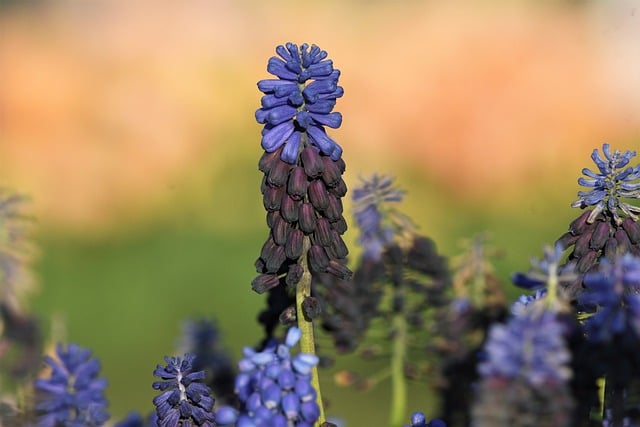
[419, 419]
[185, 400]
[73, 395]
[614, 290]
[297, 105]
[546, 270]
[379, 223]
[610, 185]
[531, 347]
[274, 388]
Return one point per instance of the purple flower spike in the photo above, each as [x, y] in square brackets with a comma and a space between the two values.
[298, 105]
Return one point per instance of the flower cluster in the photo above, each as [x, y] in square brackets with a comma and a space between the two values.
[73, 395]
[615, 290]
[201, 338]
[378, 222]
[601, 232]
[298, 104]
[184, 400]
[302, 187]
[611, 185]
[531, 346]
[274, 387]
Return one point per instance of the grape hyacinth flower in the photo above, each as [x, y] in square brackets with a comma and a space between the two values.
[615, 290]
[201, 337]
[73, 395]
[185, 400]
[298, 104]
[378, 222]
[302, 186]
[525, 372]
[600, 231]
[612, 184]
[274, 388]
[530, 346]
[550, 275]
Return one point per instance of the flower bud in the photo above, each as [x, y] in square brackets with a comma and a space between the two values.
[633, 230]
[333, 212]
[297, 184]
[340, 225]
[294, 243]
[567, 239]
[281, 231]
[267, 160]
[313, 165]
[322, 234]
[331, 174]
[611, 248]
[273, 198]
[318, 195]
[339, 270]
[264, 282]
[307, 218]
[318, 259]
[272, 217]
[587, 261]
[267, 248]
[275, 258]
[294, 275]
[311, 308]
[624, 244]
[337, 248]
[582, 245]
[289, 208]
[279, 173]
[579, 224]
[600, 235]
[340, 189]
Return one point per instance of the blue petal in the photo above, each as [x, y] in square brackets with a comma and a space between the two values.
[291, 149]
[276, 136]
[278, 67]
[320, 139]
[333, 120]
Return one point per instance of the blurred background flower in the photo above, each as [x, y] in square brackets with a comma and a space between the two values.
[130, 125]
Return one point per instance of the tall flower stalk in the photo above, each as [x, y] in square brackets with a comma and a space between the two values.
[302, 187]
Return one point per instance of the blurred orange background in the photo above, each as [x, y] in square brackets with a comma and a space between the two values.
[105, 105]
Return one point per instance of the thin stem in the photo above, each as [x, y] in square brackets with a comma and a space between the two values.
[398, 383]
[307, 342]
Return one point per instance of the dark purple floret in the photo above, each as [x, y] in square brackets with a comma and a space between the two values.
[184, 399]
[73, 395]
[298, 104]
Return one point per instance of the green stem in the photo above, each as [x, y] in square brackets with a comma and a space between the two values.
[398, 383]
[307, 342]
